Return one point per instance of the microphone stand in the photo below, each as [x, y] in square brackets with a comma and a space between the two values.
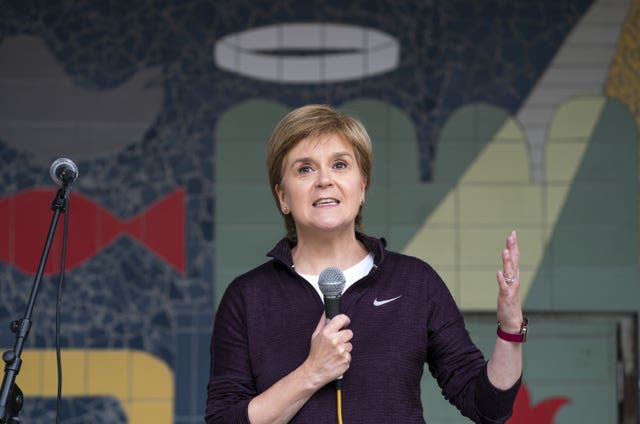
[11, 397]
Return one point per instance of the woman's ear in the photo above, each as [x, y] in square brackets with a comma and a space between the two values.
[283, 204]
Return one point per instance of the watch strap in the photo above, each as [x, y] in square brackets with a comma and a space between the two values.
[514, 338]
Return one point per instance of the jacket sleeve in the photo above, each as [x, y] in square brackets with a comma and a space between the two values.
[459, 366]
[231, 385]
[492, 404]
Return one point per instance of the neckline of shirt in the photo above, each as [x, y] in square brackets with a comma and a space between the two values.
[351, 274]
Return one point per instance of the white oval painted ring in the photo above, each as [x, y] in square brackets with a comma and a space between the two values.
[307, 53]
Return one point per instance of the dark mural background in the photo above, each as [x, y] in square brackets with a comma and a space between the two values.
[125, 296]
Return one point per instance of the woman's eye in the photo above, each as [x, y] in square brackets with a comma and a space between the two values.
[340, 165]
[304, 169]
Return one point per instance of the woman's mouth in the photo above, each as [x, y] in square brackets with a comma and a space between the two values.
[326, 202]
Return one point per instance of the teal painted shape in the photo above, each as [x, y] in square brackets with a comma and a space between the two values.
[591, 261]
[395, 176]
[582, 367]
[464, 136]
[247, 223]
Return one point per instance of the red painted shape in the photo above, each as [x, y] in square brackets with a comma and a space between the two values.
[25, 219]
[543, 412]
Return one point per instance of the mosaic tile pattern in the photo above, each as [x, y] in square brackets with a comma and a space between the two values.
[76, 411]
[624, 81]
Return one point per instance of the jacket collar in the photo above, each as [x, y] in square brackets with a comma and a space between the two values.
[282, 251]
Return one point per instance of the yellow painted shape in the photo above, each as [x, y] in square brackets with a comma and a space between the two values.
[565, 149]
[108, 373]
[445, 214]
[442, 247]
[623, 82]
[142, 383]
[575, 120]
[498, 161]
[500, 205]
[496, 195]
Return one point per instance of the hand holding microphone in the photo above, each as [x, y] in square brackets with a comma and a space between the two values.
[331, 339]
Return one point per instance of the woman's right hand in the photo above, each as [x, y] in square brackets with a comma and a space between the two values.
[330, 353]
[328, 359]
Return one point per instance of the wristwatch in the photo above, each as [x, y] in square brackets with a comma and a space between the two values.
[521, 337]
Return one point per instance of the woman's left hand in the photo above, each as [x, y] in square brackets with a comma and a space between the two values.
[509, 310]
[505, 365]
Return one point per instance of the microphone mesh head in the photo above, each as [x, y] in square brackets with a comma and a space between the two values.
[331, 282]
[57, 166]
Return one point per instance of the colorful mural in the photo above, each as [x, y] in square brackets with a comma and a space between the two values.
[485, 117]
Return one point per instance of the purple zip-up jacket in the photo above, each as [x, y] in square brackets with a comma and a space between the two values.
[263, 330]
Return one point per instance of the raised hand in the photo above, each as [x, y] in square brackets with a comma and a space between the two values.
[509, 310]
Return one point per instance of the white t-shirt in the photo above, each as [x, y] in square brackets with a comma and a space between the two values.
[352, 274]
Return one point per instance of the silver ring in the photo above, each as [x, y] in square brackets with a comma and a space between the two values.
[510, 280]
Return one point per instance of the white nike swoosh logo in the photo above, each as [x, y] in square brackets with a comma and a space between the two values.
[377, 302]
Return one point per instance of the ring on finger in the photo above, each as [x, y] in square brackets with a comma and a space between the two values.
[510, 280]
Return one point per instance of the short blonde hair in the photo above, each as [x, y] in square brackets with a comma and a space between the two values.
[313, 121]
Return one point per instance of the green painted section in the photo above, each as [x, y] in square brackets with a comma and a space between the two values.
[566, 356]
[465, 134]
[247, 223]
[591, 261]
[395, 176]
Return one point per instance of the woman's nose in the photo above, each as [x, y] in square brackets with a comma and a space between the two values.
[324, 177]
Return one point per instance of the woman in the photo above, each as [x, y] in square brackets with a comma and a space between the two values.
[273, 355]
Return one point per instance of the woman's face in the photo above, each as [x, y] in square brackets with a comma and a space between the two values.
[322, 185]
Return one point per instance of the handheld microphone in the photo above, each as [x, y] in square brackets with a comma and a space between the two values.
[63, 171]
[331, 282]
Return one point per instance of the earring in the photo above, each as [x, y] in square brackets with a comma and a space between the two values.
[285, 210]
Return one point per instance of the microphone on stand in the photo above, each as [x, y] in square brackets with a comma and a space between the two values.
[63, 171]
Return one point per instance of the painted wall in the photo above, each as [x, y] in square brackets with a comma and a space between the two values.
[485, 117]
